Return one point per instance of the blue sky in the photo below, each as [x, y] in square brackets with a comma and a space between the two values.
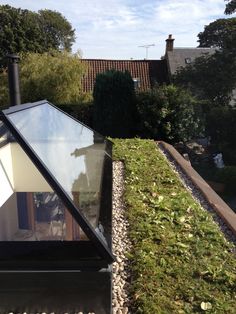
[114, 29]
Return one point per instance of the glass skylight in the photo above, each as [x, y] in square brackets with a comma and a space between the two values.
[53, 173]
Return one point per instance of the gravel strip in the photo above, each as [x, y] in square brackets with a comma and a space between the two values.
[199, 197]
[121, 245]
[48, 313]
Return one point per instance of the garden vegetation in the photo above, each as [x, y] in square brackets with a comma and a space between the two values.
[114, 104]
[180, 260]
[55, 76]
[29, 31]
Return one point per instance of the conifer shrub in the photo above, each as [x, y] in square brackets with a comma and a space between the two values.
[114, 105]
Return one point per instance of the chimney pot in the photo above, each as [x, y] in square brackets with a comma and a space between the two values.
[169, 43]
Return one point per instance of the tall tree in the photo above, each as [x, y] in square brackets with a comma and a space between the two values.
[214, 77]
[230, 7]
[211, 78]
[220, 33]
[57, 30]
[27, 31]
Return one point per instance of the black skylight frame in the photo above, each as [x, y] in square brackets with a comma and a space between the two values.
[83, 222]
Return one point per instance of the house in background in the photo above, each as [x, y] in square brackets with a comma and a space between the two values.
[145, 73]
[177, 58]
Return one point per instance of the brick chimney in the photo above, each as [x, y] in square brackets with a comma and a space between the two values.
[169, 43]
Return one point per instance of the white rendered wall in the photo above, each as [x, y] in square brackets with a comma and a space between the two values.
[21, 172]
[6, 160]
[26, 176]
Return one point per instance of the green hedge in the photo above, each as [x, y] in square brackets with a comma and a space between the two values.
[169, 113]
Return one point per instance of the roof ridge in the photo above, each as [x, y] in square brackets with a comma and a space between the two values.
[122, 60]
[194, 48]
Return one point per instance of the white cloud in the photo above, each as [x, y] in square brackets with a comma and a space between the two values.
[115, 28]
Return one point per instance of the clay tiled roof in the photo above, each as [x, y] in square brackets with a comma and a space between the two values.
[148, 72]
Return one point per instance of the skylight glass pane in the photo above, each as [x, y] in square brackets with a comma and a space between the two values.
[73, 154]
[29, 209]
[3, 134]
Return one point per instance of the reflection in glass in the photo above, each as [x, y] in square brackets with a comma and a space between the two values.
[38, 216]
[73, 153]
[29, 209]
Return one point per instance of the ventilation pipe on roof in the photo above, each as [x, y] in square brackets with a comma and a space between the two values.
[169, 43]
[13, 79]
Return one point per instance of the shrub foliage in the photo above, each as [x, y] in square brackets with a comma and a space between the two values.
[221, 126]
[114, 103]
[168, 113]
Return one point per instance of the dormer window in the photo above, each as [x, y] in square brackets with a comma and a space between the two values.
[188, 60]
[136, 81]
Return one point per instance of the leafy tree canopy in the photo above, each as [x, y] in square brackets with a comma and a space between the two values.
[58, 31]
[27, 31]
[220, 33]
[211, 78]
[230, 7]
[55, 76]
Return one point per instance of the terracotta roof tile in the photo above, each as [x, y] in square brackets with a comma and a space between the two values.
[148, 71]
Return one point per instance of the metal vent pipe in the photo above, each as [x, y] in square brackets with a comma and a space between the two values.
[13, 79]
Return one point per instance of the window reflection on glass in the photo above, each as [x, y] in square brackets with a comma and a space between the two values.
[29, 208]
[38, 216]
[136, 81]
[43, 217]
[73, 153]
[49, 221]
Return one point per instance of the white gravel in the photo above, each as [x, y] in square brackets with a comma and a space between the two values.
[121, 245]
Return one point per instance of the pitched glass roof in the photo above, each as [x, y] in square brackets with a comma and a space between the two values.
[71, 157]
